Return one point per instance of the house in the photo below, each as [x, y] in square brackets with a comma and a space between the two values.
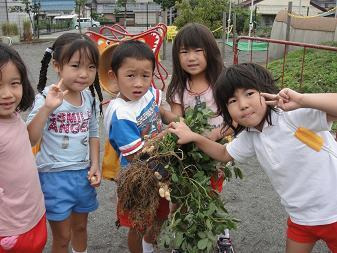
[268, 9]
[52, 8]
[138, 12]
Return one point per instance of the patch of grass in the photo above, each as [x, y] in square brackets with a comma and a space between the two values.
[319, 74]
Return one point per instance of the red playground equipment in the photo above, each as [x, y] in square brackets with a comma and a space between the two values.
[111, 36]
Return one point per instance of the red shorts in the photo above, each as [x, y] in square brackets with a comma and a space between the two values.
[32, 241]
[217, 182]
[311, 234]
[162, 213]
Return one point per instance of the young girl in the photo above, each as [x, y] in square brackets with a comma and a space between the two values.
[197, 63]
[64, 122]
[301, 164]
[22, 211]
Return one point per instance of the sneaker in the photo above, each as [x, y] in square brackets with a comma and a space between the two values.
[224, 245]
[176, 251]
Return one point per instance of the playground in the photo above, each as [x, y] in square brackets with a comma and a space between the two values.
[251, 200]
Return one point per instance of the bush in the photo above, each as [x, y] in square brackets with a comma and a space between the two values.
[27, 30]
[10, 29]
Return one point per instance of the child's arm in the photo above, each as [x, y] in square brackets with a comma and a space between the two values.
[53, 100]
[94, 165]
[288, 100]
[213, 149]
[177, 109]
[167, 116]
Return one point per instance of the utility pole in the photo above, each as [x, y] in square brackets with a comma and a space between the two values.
[6, 6]
[147, 15]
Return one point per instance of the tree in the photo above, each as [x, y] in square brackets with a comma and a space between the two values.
[207, 12]
[34, 9]
[165, 4]
[79, 9]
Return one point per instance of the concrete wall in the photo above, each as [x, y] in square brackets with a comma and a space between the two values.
[141, 18]
[313, 31]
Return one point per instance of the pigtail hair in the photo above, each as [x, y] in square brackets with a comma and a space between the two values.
[44, 68]
[97, 87]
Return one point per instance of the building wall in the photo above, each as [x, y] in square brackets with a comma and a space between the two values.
[142, 18]
[313, 31]
[3, 15]
[274, 6]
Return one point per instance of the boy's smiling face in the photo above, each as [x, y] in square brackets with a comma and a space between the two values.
[133, 78]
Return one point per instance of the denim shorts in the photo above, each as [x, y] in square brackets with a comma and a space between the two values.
[66, 192]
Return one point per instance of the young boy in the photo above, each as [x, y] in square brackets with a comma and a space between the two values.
[135, 112]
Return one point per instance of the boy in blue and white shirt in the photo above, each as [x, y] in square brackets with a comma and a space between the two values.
[135, 113]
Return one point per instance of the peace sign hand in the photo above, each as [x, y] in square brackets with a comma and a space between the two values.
[55, 96]
[287, 99]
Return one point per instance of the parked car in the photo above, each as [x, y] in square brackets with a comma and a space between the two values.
[86, 22]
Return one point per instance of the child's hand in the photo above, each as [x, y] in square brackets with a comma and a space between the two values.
[182, 131]
[55, 96]
[215, 134]
[287, 99]
[94, 176]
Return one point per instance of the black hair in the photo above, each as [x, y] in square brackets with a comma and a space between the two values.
[242, 76]
[131, 49]
[8, 54]
[193, 36]
[62, 50]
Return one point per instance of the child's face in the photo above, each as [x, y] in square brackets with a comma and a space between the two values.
[193, 61]
[78, 74]
[247, 108]
[133, 78]
[10, 90]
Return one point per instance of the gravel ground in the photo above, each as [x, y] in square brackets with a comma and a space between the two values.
[252, 200]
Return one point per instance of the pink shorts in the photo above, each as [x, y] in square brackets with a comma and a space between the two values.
[32, 241]
[311, 234]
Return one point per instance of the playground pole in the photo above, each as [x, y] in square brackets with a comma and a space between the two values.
[223, 34]
[164, 42]
[229, 18]
[250, 22]
[290, 8]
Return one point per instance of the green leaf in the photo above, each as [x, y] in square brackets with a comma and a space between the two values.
[179, 238]
[174, 178]
[202, 244]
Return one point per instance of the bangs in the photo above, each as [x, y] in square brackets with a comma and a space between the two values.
[232, 79]
[85, 49]
[191, 39]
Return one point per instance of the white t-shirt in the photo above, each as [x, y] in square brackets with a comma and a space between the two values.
[305, 179]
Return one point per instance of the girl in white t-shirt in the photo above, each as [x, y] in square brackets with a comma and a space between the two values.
[292, 144]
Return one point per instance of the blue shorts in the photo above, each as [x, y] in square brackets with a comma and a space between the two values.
[66, 192]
